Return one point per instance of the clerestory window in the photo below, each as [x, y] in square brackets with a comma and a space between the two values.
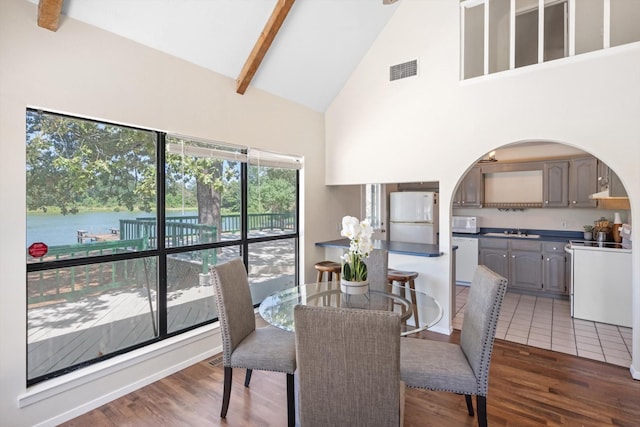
[499, 35]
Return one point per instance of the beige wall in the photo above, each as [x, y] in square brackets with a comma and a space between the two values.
[433, 127]
[82, 70]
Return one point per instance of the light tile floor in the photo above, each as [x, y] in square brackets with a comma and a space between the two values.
[547, 323]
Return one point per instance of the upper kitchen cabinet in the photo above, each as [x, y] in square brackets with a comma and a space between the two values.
[608, 180]
[470, 192]
[556, 184]
[583, 182]
[611, 193]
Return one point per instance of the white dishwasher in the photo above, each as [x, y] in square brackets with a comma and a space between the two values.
[466, 258]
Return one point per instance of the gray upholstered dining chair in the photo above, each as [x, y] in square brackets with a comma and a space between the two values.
[377, 264]
[243, 346]
[348, 367]
[464, 368]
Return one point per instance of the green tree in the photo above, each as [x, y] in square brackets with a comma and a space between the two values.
[73, 163]
[207, 176]
[271, 189]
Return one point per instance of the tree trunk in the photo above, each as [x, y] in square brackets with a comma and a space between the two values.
[208, 206]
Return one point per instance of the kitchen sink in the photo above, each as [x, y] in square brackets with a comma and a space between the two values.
[521, 236]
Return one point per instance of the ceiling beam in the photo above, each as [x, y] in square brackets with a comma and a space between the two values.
[49, 14]
[261, 47]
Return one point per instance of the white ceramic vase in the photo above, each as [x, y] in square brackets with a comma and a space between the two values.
[354, 288]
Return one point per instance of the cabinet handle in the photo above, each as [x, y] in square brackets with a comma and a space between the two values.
[574, 202]
[546, 201]
[513, 256]
[504, 256]
[547, 259]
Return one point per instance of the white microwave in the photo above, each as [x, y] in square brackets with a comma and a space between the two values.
[465, 224]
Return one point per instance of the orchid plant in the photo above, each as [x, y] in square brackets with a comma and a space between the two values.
[359, 232]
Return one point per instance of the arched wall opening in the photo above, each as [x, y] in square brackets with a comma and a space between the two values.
[565, 220]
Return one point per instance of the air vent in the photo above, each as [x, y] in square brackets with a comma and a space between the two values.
[216, 361]
[404, 70]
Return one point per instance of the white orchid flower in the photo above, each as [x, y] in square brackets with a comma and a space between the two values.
[360, 246]
[350, 227]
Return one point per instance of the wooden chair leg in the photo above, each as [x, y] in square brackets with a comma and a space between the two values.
[247, 377]
[467, 397]
[481, 402]
[291, 402]
[226, 393]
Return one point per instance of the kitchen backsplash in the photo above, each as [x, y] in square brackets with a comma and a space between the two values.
[542, 219]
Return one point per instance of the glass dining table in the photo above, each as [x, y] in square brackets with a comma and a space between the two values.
[277, 309]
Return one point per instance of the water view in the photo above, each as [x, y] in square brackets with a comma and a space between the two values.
[56, 229]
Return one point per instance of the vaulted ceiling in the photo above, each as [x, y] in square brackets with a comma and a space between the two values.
[313, 53]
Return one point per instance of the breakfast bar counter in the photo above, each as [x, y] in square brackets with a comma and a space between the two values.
[413, 249]
[428, 261]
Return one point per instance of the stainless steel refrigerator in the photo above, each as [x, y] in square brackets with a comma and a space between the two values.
[413, 217]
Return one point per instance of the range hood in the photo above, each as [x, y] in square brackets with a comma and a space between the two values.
[611, 188]
[604, 195]
[606, 201]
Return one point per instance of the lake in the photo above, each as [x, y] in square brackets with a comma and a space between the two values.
[62, 229]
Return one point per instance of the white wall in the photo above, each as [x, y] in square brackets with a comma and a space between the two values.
[82, 70]
[433, 127]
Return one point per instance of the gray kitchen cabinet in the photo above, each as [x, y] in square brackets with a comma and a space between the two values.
[583, 181]
[470, 192]
[555, 185]
[525, 267]
[494, 254]
[608, 179]
[554, 268]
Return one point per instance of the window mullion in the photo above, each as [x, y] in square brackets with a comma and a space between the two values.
[606, 24]
[540, 31]
[161, 233]
[244, 211]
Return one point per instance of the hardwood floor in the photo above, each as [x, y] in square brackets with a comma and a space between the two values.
[528, 387]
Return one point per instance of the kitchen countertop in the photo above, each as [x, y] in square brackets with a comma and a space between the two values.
[415, 249]
[545, 235]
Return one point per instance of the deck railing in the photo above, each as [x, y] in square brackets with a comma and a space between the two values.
[136, 235]
[177, 233]
[229, 223]
[71, 283]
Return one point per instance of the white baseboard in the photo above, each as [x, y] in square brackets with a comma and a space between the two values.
[635, 373]
[95, 372]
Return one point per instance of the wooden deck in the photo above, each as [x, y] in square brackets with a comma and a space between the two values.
[70, 333]
[90, 328]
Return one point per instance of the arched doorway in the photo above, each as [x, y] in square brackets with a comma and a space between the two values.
[518, 202]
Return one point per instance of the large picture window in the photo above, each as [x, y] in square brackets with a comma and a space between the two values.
[123, 225]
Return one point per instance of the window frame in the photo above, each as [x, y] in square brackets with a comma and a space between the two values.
[161, 251]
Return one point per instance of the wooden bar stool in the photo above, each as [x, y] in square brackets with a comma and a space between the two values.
[404, 278]
[331, 268]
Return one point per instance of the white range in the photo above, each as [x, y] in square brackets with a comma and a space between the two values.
[601, 282]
